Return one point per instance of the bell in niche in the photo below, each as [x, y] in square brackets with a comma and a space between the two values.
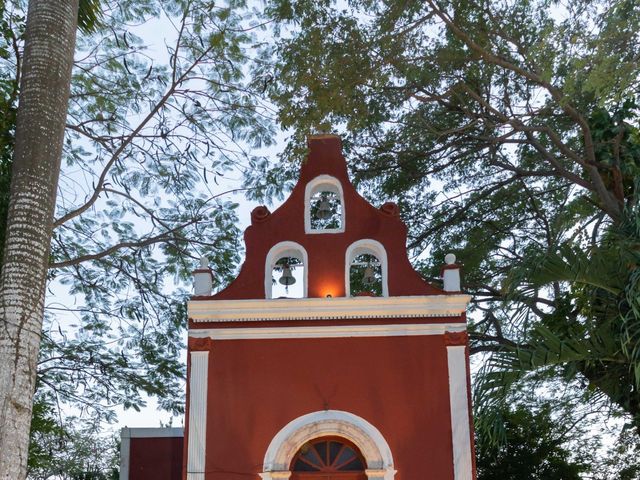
[287, 278]
[369, 277]
[324, 209]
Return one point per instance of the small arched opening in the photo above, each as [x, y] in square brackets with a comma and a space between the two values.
[285, 271]
[366, 269]
[324, 210]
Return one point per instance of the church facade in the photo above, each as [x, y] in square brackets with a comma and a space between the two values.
[364, 375]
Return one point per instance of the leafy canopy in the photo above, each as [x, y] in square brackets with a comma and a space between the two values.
[507, 132]
[156, 128]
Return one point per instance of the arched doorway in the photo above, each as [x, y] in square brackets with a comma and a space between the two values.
[350, 429]
[328, 458]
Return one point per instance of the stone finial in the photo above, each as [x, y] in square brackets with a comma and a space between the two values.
[259, 214]
[203, 279]
[451, 274]
[391, 209]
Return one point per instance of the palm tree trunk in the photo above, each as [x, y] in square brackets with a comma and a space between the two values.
[42, 112]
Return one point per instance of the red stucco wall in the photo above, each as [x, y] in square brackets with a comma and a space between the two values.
[155, 458]
[399, 384]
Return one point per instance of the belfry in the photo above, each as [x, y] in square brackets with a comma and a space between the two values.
[364, 376]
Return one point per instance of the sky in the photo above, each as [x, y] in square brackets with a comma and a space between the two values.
[157, 34]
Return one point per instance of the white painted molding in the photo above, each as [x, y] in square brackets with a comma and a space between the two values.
[451, 280]
[371, 247]
[323, 183]
[328, 331]
[196, 449]
[203, 278]
[153, 432]
[459, 402]
[275, 475]
[125, 453]
[296, 433]
[327, 308]
[284, 249]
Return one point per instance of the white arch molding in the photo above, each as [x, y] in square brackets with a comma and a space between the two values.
[370, 247]
[323, 183]
[285, 249]
[296, 433]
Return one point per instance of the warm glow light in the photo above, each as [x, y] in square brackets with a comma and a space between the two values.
[328, 289]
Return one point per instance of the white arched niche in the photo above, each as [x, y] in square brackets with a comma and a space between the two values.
[370, 247]
[323, 183]
[278, 251]
[295, 434]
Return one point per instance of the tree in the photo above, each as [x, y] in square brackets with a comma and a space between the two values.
[141, 154]
[149, 143]
[80, 451]
[533, 450]
[42, 111]
[12, 32]
[8, 102]
[508, 133]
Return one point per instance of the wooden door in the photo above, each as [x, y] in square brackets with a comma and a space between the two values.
[328, 459]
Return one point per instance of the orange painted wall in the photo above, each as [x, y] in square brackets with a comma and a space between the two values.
[399, 384]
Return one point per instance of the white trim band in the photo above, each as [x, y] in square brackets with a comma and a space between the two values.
[152, 432]
[197, 415]
[327, 308]
[459, 402]
[328, 331]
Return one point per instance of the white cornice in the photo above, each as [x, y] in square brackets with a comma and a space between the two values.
[327, 308]
[152, 432]
[327, 331]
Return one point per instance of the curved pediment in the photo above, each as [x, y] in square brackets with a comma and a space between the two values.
[340, 221]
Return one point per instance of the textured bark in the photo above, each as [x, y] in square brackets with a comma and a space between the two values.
[42, 112]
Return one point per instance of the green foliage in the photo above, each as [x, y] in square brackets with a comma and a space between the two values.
[597, 339]
[73, 451]
[533, 450]
[8, 103]
[598, 336]
[507, 132]
[622, 461]
[90, 15]
[156, 127]
[43, 424]
[150, 140]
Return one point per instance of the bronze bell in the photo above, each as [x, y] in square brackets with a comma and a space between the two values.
[287, 279]
[369, 276]
[324, 210]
